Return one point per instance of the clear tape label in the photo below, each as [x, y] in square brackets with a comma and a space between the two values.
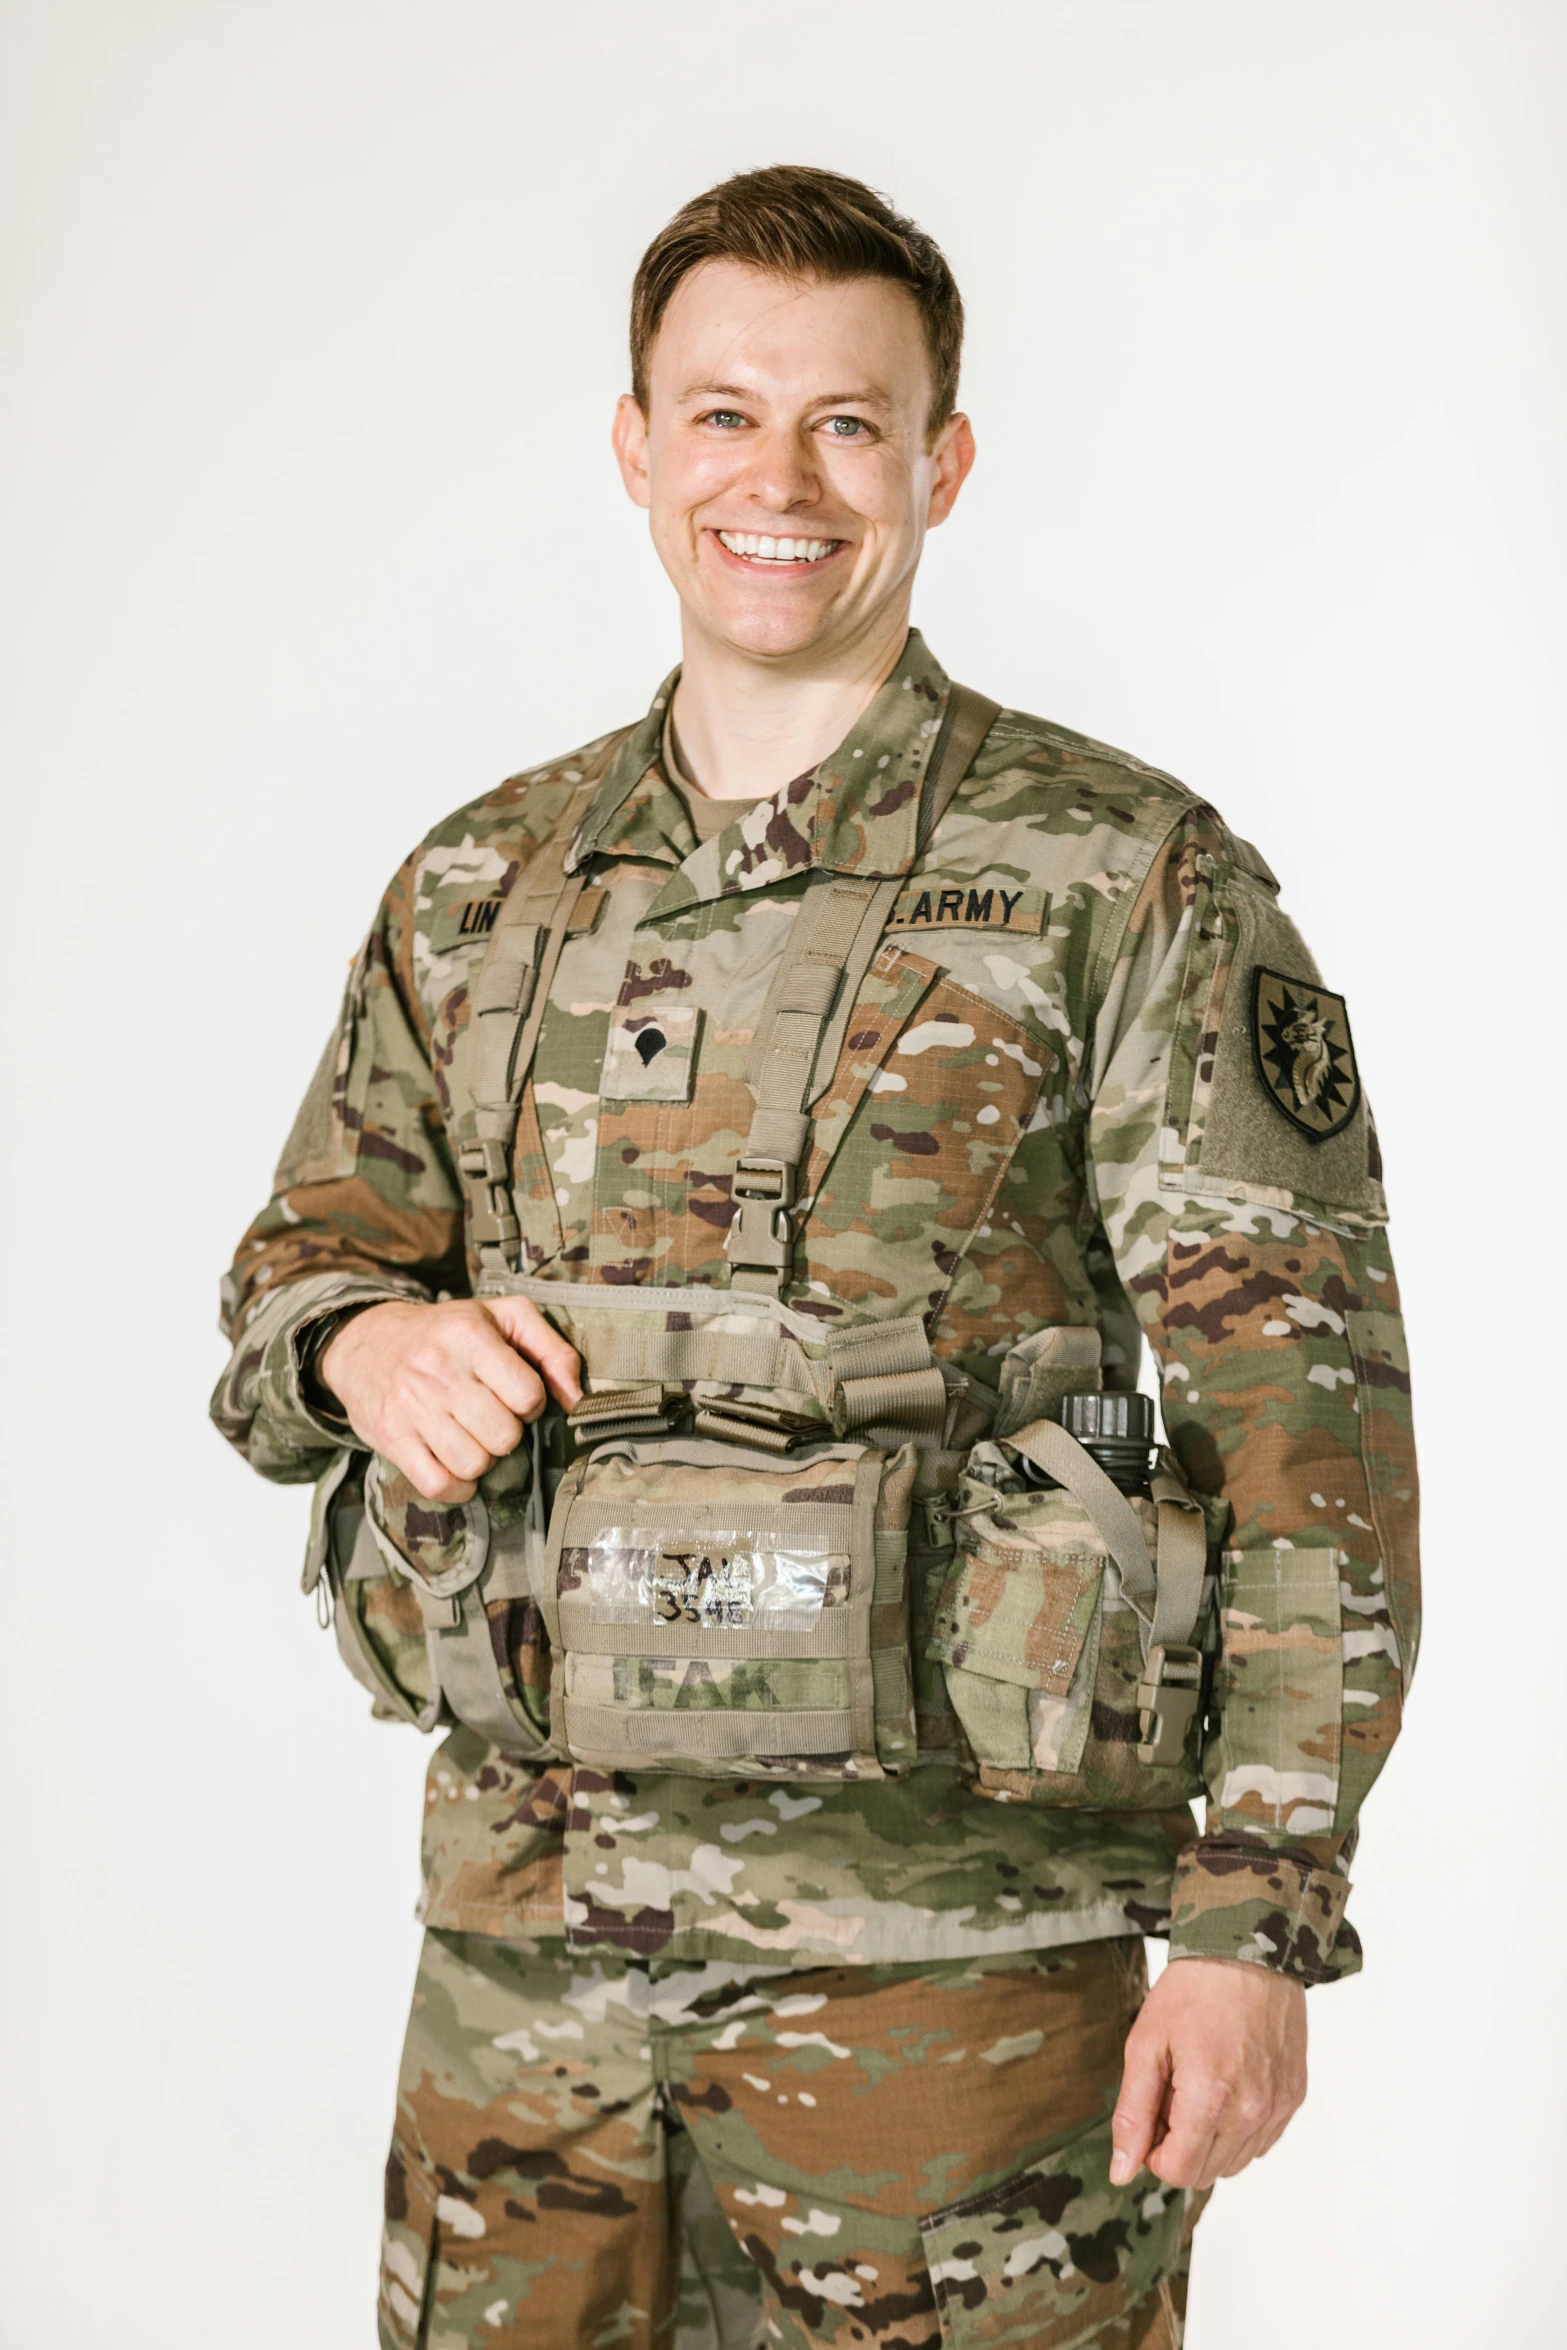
[719, 1580]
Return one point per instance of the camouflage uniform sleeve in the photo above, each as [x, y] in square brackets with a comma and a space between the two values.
[1237, 1181]
[365, 1204]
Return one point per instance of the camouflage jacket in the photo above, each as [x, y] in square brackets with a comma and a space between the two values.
[1182, 1155]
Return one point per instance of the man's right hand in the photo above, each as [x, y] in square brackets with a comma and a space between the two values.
[443, 1391]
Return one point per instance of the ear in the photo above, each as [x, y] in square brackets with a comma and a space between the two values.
[951, 459]
[629, 436]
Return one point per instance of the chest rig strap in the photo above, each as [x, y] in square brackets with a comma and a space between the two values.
[506, 1010]
[827, 954]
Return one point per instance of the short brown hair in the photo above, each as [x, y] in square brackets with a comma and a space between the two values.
[801, 223]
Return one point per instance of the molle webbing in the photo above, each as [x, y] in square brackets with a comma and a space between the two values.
[826, 956]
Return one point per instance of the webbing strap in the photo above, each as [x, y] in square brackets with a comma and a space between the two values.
[1167, 1602]
[614, 1733]
[506, 1008]
[463, 1655]
[816, 964]
[1051, 1448]
[862, 1671]
[1183, 1566]
[827, 954]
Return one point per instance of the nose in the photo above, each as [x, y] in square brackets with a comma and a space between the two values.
[782, 475]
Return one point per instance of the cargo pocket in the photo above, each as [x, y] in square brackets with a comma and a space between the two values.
[721, 1612]
[1056, 2256]
[1043, 1654]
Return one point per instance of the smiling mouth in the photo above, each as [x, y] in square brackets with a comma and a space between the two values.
[753, 548]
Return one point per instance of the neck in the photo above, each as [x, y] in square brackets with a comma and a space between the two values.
[747, 726]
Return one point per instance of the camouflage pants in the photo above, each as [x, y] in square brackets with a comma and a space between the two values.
[665, 2157]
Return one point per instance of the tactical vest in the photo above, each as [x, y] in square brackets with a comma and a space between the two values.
[761, 1546]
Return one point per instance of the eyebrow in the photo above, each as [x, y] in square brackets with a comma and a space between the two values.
[858, 399]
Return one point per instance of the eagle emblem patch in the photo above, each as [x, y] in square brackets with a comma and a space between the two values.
[1304, 1053]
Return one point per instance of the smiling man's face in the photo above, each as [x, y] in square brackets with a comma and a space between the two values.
[786, 461]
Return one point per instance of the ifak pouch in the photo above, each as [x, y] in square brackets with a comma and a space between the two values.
[720, 1611]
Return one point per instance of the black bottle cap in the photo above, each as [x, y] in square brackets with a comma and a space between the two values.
[1114, 1419]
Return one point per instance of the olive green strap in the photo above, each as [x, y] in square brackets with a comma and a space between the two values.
[505, 1011]
[825, 957]
[862, 1592]
[1183, 1564]
[462, 1648]
[1051, 1448]
[1167, 1603]
[1170, 1692]
[617, 1736]
[817, 964]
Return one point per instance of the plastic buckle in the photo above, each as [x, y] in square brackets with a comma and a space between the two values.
[489, 1161]
[760, 1236]
[494, 1224]
[1169, 1699]
[771, 1180]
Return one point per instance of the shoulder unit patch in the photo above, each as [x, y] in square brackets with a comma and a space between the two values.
[1304, 1053]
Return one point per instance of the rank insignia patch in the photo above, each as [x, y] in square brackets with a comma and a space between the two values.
[1304, 1053]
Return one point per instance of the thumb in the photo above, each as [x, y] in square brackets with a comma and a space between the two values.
[1145, 2073]
[552, 1356]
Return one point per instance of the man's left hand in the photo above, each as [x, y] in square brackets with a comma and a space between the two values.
[1215, 2069]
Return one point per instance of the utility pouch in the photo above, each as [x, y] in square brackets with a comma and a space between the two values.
[1077, 1664]
[719, 1611]
[435, 1608]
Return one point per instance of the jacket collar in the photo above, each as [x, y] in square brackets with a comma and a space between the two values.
[858, 812]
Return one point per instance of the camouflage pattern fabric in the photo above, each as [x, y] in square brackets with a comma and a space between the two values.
[1092, 1080]
[898, 2156]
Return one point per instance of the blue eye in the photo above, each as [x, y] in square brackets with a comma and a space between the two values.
[844, 428]
[726, 417]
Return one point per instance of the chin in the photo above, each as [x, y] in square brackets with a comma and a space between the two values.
[769, 634]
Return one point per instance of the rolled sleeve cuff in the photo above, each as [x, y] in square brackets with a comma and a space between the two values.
[1233, 1899]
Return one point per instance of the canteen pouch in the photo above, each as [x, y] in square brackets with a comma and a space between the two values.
[721, 1612]
[434, 1607]
[1043, 1651]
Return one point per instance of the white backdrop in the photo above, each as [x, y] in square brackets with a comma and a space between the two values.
[313, 317]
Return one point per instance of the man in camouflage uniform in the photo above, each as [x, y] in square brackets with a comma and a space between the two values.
[838, 2047]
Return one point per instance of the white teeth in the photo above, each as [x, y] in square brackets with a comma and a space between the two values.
[771, 550]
